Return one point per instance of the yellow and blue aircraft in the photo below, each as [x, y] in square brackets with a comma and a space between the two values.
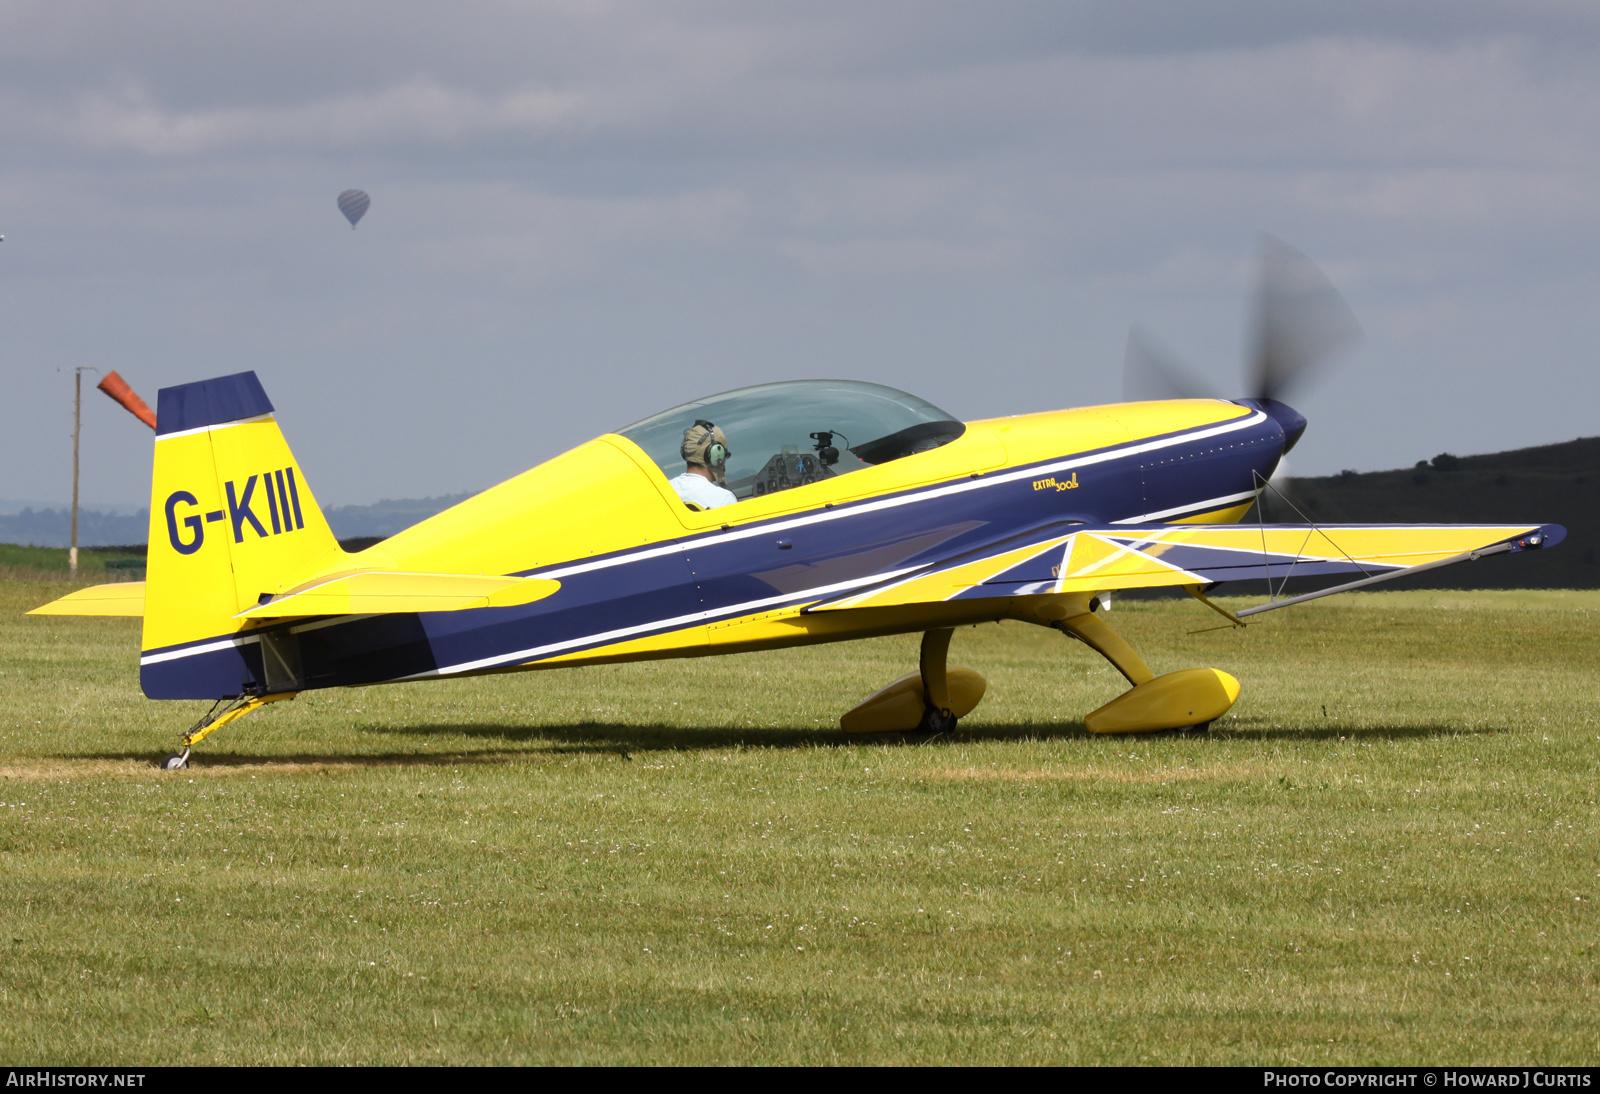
[860, 511]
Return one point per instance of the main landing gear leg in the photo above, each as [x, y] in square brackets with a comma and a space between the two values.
[927, 701]
[1097, 634]
[1188, 699]
[214, 721]
[938, 715]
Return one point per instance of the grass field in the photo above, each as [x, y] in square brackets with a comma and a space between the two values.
[1386, 854]
[53, 561]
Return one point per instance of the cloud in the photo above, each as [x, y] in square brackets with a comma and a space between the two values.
[419, 113]
[676, 89]
[588, 208]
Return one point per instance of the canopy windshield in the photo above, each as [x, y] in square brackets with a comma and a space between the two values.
[788, 434]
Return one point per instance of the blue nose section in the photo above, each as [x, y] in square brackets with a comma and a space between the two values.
[1288, 418]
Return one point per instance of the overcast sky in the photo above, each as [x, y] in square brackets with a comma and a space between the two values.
[583, 213]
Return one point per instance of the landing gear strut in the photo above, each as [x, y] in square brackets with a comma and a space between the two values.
[938, 716]
[1184, 701]
[214, 721]
[927, 701]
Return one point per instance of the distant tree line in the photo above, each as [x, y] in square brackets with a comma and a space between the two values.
[53, 527]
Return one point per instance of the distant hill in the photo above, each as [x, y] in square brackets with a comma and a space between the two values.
[1551, 484]
[385, 518]
[53, 527]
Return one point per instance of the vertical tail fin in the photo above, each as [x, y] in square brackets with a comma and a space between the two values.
[232, 518]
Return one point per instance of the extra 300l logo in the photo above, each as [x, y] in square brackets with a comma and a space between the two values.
[283, 509]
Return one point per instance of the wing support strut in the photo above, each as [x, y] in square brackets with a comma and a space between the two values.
[1311, 529]
[1199, 594]
[1405, 571]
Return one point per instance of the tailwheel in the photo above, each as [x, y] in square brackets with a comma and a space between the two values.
[175, 761]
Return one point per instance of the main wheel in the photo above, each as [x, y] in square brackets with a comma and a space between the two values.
[174, 762]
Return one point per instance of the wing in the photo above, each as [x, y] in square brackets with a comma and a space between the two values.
[1149, 556]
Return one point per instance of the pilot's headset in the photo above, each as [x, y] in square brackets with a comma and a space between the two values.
[716, 449]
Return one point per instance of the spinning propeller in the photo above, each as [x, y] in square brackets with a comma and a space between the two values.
[1299, 322]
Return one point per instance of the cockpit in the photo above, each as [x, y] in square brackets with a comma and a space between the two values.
[790, 434]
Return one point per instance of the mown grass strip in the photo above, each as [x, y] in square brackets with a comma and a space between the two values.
[1385, 854]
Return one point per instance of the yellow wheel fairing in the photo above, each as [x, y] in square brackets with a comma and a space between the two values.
[1188, 697]
[899, 707]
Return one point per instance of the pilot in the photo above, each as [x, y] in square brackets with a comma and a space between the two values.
[705, 450]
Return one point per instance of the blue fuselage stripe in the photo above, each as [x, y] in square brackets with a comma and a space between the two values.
[727, 573]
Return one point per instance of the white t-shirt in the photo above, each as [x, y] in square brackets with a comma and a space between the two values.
[703, 492]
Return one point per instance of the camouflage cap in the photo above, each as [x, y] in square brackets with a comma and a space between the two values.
[697, 442]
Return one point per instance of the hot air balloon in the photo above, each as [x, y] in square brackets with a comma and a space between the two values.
[353, 204]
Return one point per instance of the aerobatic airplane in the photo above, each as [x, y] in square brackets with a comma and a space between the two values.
[851, 510]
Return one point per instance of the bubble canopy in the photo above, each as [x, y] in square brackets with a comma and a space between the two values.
[789, 434]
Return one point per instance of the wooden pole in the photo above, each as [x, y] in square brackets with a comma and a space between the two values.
[77, 423]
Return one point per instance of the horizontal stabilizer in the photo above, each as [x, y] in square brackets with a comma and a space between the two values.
[1091, 560]
[121, 598]
[379, 592]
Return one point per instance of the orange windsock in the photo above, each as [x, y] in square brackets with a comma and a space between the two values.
[116, 387]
